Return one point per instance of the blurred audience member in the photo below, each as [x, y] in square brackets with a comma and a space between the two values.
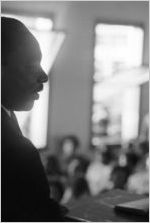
[77, 179]
[71, 159]
[119, 176]
[132, 157]
[67, 150]
[53, 167]
[56, 178]
[139, 180]
[73, 165]
[129, 162]
[98, 173]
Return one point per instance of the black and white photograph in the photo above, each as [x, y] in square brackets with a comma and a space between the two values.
[75, 111]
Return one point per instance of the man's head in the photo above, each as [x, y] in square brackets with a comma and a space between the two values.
[22, 75]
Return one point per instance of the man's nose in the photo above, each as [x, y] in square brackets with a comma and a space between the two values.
[42, 77]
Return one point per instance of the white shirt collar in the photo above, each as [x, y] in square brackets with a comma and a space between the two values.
[6, 110]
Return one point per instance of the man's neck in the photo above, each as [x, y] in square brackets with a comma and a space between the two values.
[6, 110]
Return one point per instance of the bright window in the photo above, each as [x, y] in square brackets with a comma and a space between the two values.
[118, 48]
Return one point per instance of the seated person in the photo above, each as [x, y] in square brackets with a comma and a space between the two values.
[98, 173]
[138, 181]
[24, 189]
[119, 176]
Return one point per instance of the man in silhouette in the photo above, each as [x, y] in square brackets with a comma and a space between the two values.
[25, 192]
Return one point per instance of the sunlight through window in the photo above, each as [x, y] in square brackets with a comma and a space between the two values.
[118, 49]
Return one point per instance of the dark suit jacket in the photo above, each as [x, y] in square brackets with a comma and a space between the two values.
[24, 186]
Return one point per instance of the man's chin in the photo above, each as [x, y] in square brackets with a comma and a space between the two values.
[25, 107]
[28, 106]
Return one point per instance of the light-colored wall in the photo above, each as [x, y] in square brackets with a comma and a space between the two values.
[72, 72]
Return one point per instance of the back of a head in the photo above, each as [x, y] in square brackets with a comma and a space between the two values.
[13, 34]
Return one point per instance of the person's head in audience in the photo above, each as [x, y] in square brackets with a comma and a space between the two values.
[22, 75]
[69, 145]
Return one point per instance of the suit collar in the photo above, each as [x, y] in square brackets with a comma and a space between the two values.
[6, 110]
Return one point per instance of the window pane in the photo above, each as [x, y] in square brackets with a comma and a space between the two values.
[117, 55]
[117, 47]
